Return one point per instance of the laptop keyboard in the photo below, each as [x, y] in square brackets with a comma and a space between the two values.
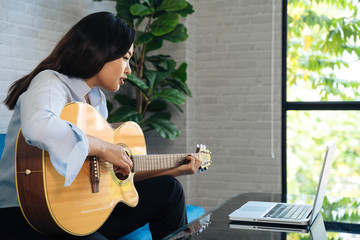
[286, 211]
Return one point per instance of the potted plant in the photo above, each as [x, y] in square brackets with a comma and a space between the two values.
[157, 79]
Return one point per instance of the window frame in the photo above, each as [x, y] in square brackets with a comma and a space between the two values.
[300, 106]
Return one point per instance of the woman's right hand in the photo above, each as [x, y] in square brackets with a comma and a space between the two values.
[112, 153]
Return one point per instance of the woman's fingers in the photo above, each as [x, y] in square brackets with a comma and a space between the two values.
[123, 161]
[193, 165]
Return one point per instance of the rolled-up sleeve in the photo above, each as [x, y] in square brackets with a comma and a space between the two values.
[40, 107]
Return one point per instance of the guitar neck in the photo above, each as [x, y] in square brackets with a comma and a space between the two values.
[158, 161]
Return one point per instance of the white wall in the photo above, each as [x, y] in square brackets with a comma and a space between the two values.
[29, 30]
[231, 108]
[229, 56]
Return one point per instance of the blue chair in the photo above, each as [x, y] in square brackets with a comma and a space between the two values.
[2, 143]
[142, 233]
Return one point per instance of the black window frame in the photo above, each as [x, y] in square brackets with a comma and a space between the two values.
[288, 106]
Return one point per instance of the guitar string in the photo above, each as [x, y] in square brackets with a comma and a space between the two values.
[152, 162]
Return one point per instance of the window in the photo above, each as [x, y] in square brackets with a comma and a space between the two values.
[321, 94]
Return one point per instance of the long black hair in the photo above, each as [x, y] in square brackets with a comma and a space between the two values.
[95, 40]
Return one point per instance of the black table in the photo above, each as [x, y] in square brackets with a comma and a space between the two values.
[336, 221]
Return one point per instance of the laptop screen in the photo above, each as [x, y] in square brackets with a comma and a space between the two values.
[324, 177]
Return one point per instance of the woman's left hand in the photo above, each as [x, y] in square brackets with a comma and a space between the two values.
[191, 167]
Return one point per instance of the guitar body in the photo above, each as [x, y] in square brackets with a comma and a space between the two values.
[53, 209]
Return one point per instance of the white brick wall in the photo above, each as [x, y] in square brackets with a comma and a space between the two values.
[229, 56]
[230, 110]
[28, 32]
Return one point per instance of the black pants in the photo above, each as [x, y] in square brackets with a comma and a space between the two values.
[161, 204]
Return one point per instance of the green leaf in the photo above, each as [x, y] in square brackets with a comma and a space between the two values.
[179, 108]
[150, 76]
[135, 81]
[165, 23]
[157, 106]
[141, 10]
[142, 37]
[147, 2]
[171, 95]
[160, 76]
[180, 85]
[158, 58]
[181, 73]
[155, 77]
[171, 5]
[109, 106]
[179, 34]
[123, 10]
[126, 113]
[154, 44]
[159, 115]
[164, 127]
[163, 63]
[186, 11]
[125, 100]
[169, 66]
[138, 22]
[156, 3]
[158, 61]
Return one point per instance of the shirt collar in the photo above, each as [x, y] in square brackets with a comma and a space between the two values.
[95, 96]
[81, 88]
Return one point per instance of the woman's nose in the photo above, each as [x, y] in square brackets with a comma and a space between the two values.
[128, 69]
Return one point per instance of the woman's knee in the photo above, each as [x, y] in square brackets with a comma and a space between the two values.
[172, 188]
[173, 184]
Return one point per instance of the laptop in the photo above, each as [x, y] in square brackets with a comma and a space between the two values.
[288, 213]
[317, 231]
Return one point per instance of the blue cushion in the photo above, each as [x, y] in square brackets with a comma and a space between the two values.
[2, 143]
[143, 233]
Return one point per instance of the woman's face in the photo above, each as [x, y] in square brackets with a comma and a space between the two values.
[113, 73]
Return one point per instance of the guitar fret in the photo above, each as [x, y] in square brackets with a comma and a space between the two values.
[159, 161]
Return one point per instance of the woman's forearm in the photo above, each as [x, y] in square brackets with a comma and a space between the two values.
[96, 146]
[139, 176]
[112, 153]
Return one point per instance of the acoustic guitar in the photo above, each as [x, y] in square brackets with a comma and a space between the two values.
[83, 207]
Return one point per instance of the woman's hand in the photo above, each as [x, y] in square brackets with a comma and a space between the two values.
[111, 153]
[191, 167]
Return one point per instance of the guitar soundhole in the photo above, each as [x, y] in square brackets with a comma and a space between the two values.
[119, 175]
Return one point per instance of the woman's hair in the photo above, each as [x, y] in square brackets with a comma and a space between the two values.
[95, 40]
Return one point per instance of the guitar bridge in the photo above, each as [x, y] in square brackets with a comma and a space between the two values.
[94, 173]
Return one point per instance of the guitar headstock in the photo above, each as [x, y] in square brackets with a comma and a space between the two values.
[204, 155]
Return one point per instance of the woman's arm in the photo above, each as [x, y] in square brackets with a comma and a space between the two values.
[111, 153]
[189, 168]
[185, 169]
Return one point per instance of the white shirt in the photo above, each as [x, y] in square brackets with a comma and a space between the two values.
[37, 114]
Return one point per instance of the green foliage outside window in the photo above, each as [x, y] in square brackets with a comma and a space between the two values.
[320, 34]
[323, 44]
[335, 209]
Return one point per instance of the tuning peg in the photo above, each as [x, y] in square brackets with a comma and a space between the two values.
[197, 148]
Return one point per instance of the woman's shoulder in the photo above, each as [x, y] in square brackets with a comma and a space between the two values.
[47, 80]
[46, 75]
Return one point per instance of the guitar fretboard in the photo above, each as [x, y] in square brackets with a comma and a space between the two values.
[160, 161]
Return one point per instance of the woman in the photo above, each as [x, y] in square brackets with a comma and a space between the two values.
[93, 53]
